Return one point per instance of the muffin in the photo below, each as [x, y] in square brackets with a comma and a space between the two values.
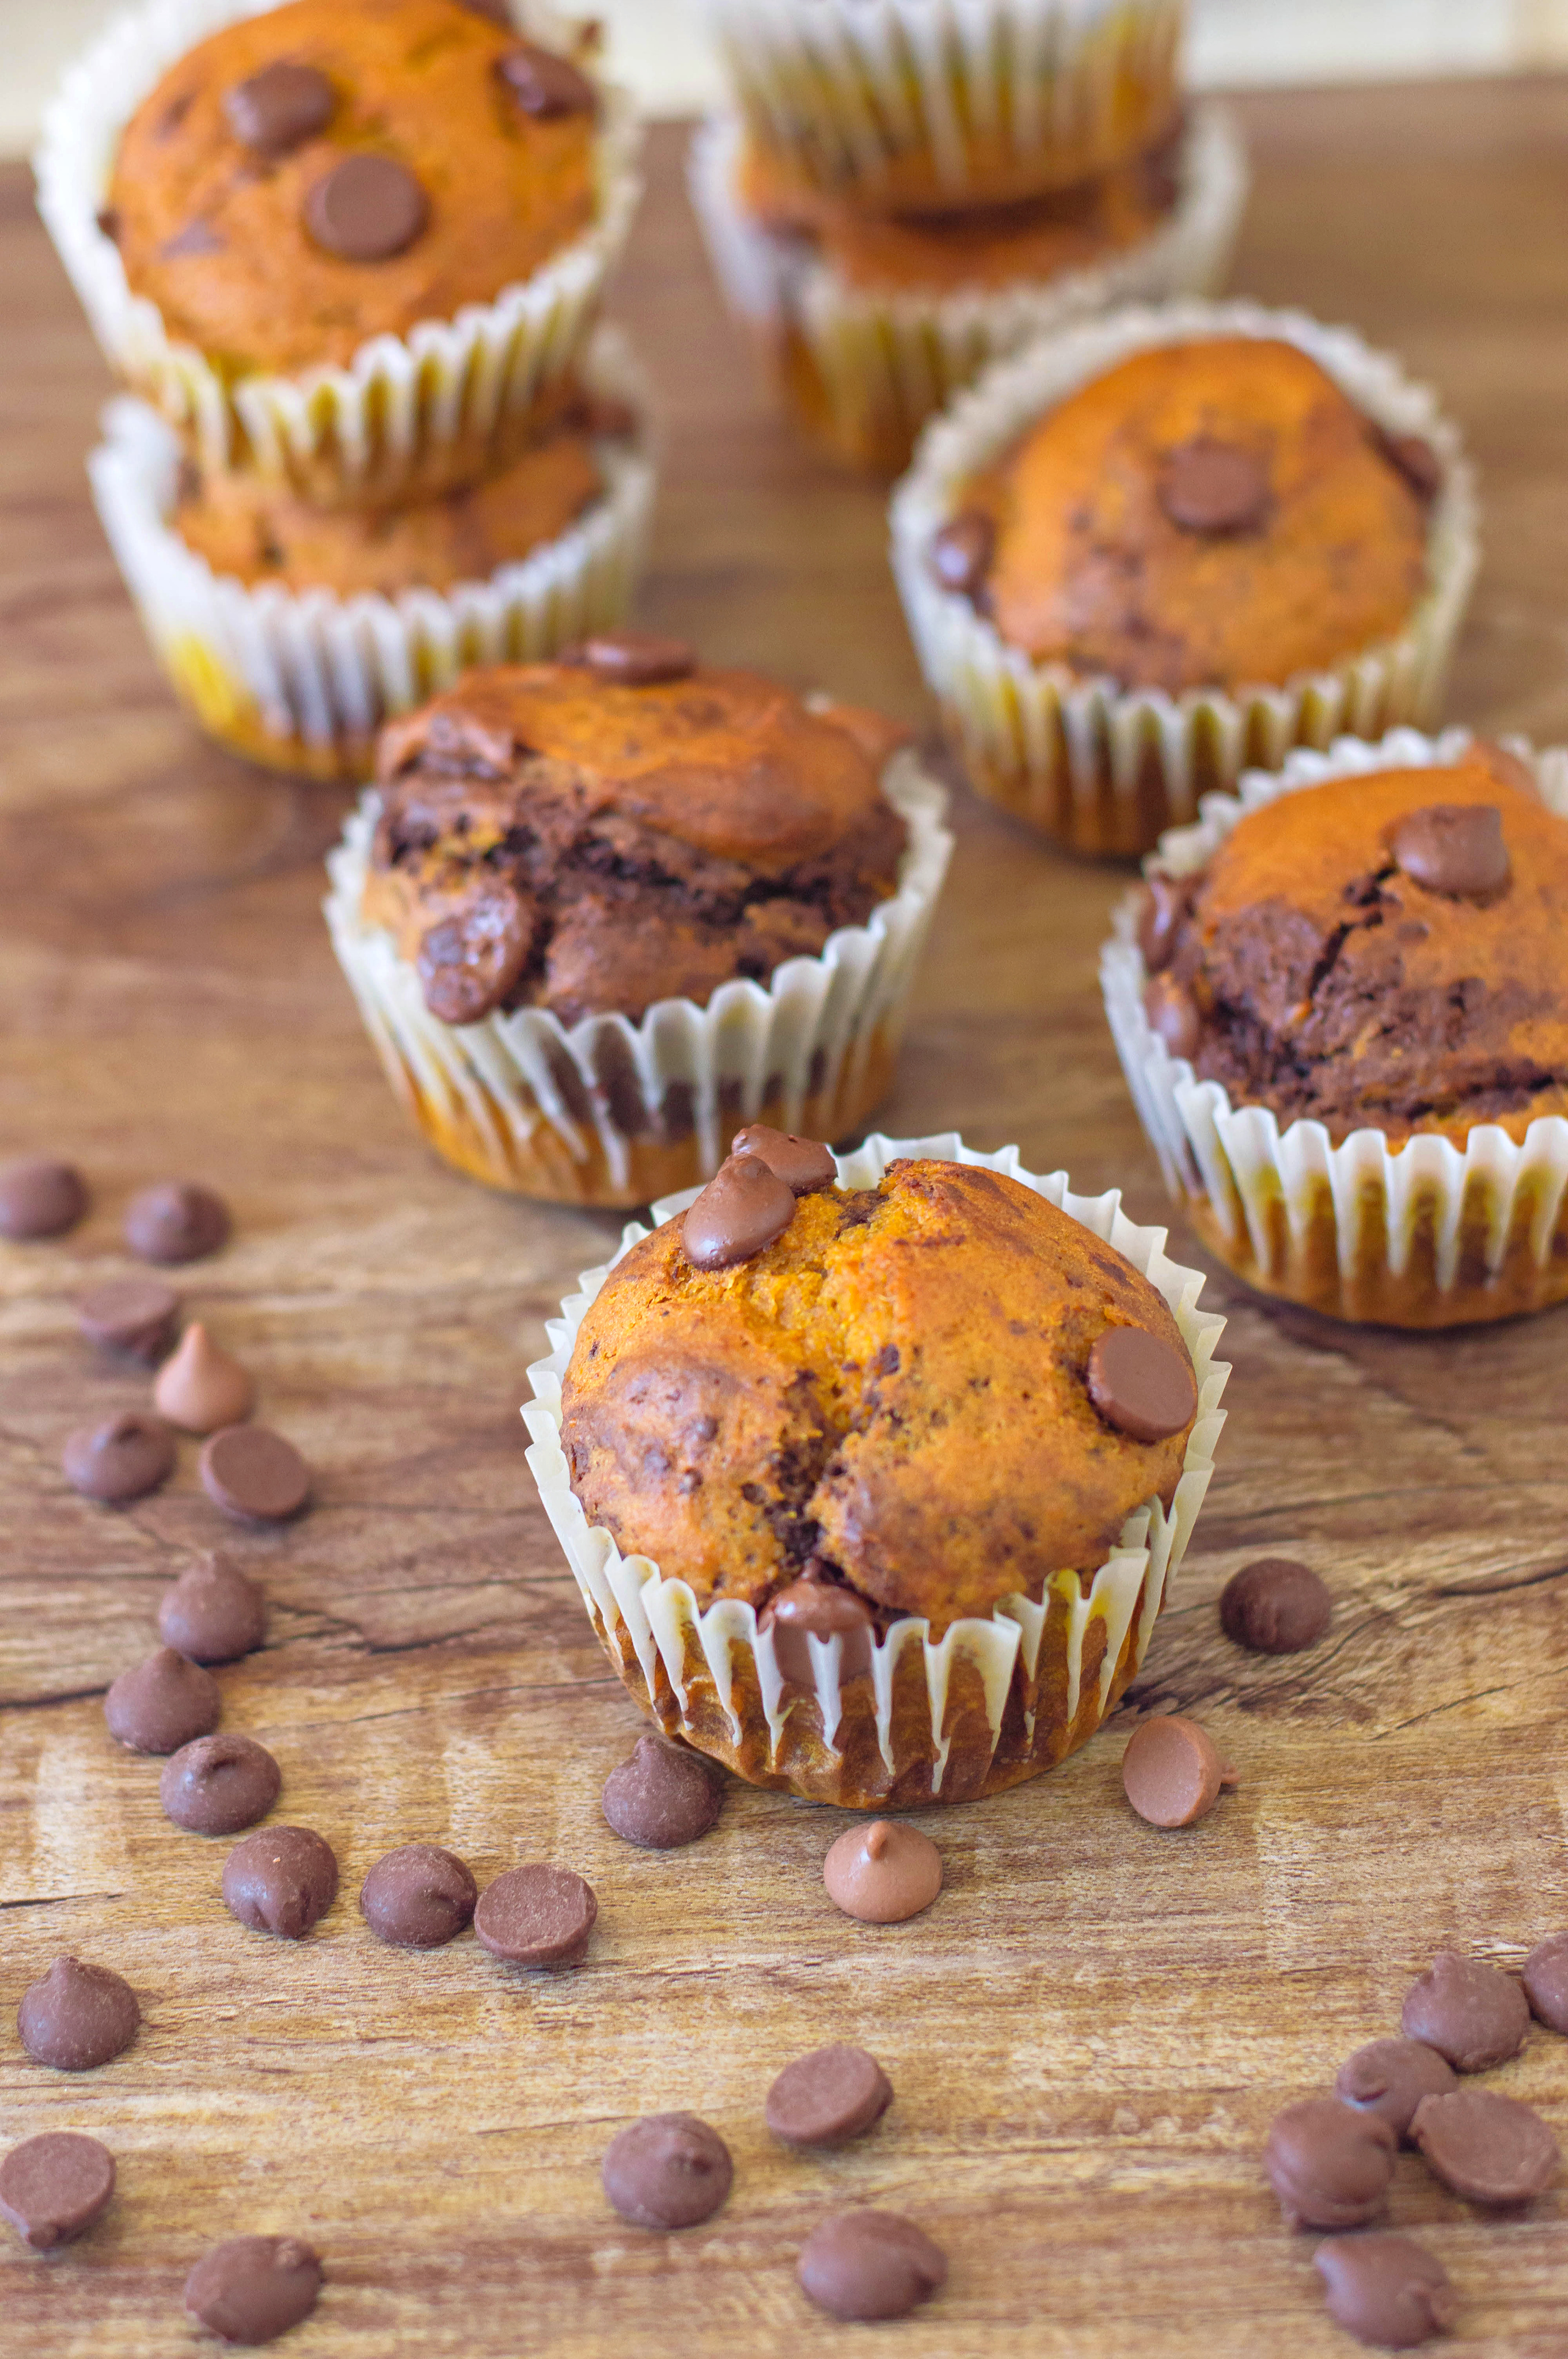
[347, 247]
[1156, 548]
[1342, 1008]
[874, 1474]
[600, 910]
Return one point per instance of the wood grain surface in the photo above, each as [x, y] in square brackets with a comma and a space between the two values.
[1091, 2030]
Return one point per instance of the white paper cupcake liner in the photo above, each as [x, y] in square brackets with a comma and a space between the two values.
[1428, 1234]
[1103, 767]
[408, 412]
[993, 1701]
[1048, 92]
[602, 1111]
[304, 678]
[883, 360]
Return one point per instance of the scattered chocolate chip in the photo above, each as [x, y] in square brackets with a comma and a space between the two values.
[633, 659]
[868, 2265]
[162, 1703]
[1329, 2165]
[1173, 1015]
[418, 1897]
[1452, 848]
[1173, 1771]
[663, 1797]
[1484, 2146]
[1275, 1606]
[803, 1164]
[213, 1612]
[366, 209]
[668, 2170]
[175, 1222]
[134, 1315]
[280, 1880]
[1140, 1384]
[250, 2290]
[77, 2016]
[1386, 2290]
[829, 2097]
[1391, 2077]
[470, 961]
[1471, 2013]
[279, 108]
[123, 1458]
[196, 237]
[1546, 1981]
[1214, 488]
[217, 1785]
[40, 1198]
[883, 1873]
[1162, 904]
[53, 2188]
[960, 554]
[739, 1213]
[544, 84]
[253, 1475]
[203, 1386]
[811, 1608]
[537, 1916]
[1411, 456]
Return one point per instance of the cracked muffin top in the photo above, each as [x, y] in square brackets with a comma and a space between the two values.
[592, 835]
[1215, 514]
[890, 1409]
[1382, 951]
[316, 175]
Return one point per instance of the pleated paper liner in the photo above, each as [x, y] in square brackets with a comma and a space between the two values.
[1102, 767]
[410, 415]
[990, 1703]
[609, 1112]
[1425, 1234]
[866, 368]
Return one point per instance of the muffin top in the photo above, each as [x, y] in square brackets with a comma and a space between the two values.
[319, 174]
[895, 1397]
[1215, 514]
[591, 836]
[1382, 951]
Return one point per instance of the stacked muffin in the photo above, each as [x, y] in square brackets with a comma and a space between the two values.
[908, 190]
[352, 260]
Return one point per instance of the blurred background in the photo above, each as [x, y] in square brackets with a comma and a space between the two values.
[659, 45]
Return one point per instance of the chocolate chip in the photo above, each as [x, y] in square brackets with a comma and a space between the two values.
[217, 1785]
[418, 1897]
[495, 12]
[1173, 1771]
[668, 2170]
[1391, 2077]
[1411, 456]
[162, 1703]
[1484, 2146]
[250, 2290]
[366, 209]
[253, 1475]
[469, 962]
[77, 2016]
[1173, 1015]
[537, 1916]
[603, 417]
[1452, 848]
[108, 224]
[40, 1198]
[1546, 1981]
[53, 2188]
[811, 1608]
[544, 84]
[1469, 2012]
[1386, 2290]
[279, 108]
[829, 2097]
[868, 2265]
[213, 1612]
[883, 1873]
[1214, 488]
[1141, 1384]
[196, 237]
[1275, 1606]
[203, 1386]
[1329, 2165]
[633, 659]
[280, 1880]
[803, 1164]
[123, 1458]
[175, 1222]
[739, 1213]
[663, 1797]
[960, 554]
[134, 1315]
[1162, 904]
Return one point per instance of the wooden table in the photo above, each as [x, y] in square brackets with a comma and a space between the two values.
[1091, 2030]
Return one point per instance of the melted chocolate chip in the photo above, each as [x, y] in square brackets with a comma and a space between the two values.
[418, 1897]
[279, 108]
[1386, 2290]
[632, 658]
[1391, 2077]
[739, 1213]
[537, 1916]
[961, 553]
[1452, 848]
[1484, 2146]
[196, 237]
[77, 2017]
[1329, 2165]
[1214, 488]
[250, 2290]
[803, 1164]
[1469, 2012]
[53, 2188]
[40, 1198]
[810, 1608]
[1412, 456]
[134, 1315]
[366, 209]
[123, 1458]
[280, 1880]
[544, 84]
[1173, 1015]
[470, 961]
[1172, 1771]
[160, 1705]
[663, 1797]
[668, 2170]
[1164, 904]
[1275, 1606]
[217, 1785]
[870, 2265]
[829, 2097]
[1142, 1384]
